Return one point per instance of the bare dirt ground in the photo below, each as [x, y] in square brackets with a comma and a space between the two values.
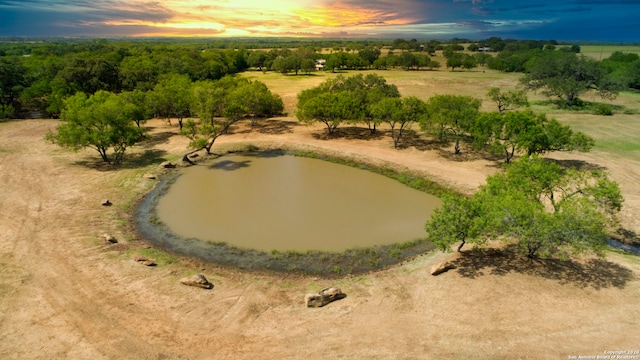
[66, 294]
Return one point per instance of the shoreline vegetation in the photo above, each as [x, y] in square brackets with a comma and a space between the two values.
[312, 262]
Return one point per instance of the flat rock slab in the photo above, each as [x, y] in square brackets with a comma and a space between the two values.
[324, 297]
[149, 176]
[197, 280]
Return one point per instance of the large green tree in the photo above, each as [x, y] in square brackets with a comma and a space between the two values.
[451, 116]
[399, 113]
[170, 97]
[547, 211]
[220, 104]
[360, 93]
[101, 121]
[331, 109]
[567, 76]
[526, 132]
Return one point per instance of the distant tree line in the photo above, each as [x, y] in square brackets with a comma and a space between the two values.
[38, 75]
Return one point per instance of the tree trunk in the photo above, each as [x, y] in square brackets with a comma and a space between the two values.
[457, 148]
[186, 159]
[461, 245]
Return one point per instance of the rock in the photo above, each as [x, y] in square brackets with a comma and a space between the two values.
[106, 202]
[168, 165]
[149, 176]
[442, 268]
[110, 238]
[137, 257]
[324, 297]
[143, 260]
[197, 280]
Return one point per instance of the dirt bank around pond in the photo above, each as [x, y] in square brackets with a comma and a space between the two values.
[66, 293]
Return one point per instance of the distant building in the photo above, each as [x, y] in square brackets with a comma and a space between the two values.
[320, 64]
[485, 49]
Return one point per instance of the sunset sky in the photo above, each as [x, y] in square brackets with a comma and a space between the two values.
[607, 20]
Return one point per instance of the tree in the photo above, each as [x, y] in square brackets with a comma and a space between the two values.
[369, 54]
[12, 82]
[330, 109]
[454, 60]
[138, 100]
[100, 121]
[218, 105]
[399, 113]
[259, 100]
[171, 97]
[257, 58]
[525, 132]
[547, 211]
[509, 100]
[450, 115]
[364, 91]
[567, 76]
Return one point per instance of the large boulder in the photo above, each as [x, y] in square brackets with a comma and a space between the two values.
[442, 268]
[167, 165]
[197, 280]
[324, 297]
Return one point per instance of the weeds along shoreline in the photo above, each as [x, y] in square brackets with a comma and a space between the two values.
[311, 262]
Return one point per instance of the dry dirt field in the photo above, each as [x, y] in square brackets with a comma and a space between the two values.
[67, 294]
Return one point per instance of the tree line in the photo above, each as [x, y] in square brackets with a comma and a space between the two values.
[39, 75]
[369, 100]
[110, 123]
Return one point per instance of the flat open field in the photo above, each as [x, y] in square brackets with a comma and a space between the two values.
[67, 294]
[600, 52]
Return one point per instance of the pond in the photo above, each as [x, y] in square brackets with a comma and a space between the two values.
[275, 202]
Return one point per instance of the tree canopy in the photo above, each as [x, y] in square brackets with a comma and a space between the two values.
[344, 99]
[220, 104]
[101, 121]
[526, 132]
[547, 211]
[567, 76]
[451, 116]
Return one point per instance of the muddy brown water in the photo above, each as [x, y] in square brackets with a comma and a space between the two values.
[282, 202]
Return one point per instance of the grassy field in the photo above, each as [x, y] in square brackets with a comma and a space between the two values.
[600, 52]
[615, 134]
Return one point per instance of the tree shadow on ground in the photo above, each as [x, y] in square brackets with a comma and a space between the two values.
[156, 139]
[275, 127]
[578, 165]
[351, 133]
[130, 161]
[595, 273]
[412, 139]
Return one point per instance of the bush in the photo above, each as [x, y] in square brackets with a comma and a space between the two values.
[603, 109]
